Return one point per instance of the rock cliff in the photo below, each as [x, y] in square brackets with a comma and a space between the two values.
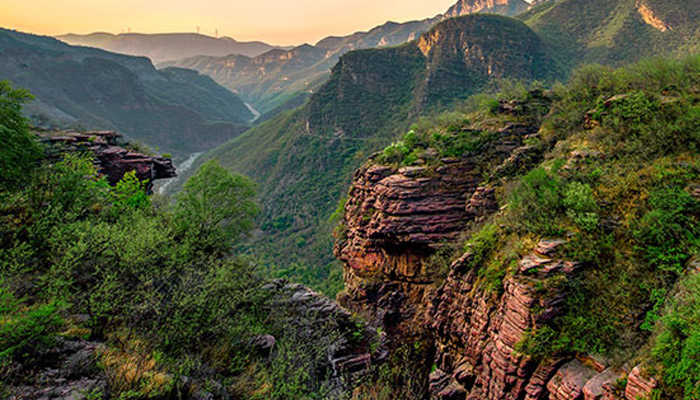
[112, 158]
[470, 327]
[397, 222]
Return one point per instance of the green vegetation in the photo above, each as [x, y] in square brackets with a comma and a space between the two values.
[536, 203]
[23, 330]
[18, 152]
[620, 184]
[677, 341]
[155, 282]
[614, 32]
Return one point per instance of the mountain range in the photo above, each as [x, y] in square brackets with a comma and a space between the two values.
[167, 46]
[174, 109]
[303, 160]
[269, 80]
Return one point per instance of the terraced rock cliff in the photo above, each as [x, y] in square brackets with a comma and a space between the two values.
[523, 265]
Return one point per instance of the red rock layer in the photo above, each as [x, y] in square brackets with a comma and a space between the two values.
[478, 333]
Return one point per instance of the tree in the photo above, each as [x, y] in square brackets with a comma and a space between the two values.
[215, 208]
[18, 150]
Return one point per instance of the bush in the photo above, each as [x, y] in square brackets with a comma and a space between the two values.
[668, 234]
[536, 203]
[25, 330]
[581, 206]
[677, 343]
[482, 244]
[19, 151]
[130, 194]
[215, 208]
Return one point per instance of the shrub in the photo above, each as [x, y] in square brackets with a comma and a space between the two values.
[482, 244]
[677, 343]
[581, 206]
[130, 194]
[395, 153]
[25, 330]
[668, 234]
[215, 208]
[537, 202]
[19, 151]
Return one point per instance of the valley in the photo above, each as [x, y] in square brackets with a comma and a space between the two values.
[500, 202]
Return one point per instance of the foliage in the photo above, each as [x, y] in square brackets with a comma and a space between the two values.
[579, 330]
[18, 149]
[482, 244]
[25, 330]
[215, 208]
[677, 341]
[536, 203]
[581, 206]
[130, 194]
[668, 234]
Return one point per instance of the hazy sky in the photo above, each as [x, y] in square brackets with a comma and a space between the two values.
[276, 21]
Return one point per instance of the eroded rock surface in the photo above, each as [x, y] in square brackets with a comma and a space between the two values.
[112, 158]
[478, 332]
[396, 220]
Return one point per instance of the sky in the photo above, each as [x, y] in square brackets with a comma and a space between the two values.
[280, 22]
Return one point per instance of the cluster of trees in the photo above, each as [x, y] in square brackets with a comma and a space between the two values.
[131, 266]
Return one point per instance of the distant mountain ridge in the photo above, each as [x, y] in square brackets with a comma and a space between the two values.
[168, 46]
[504, 7]
[177, 110]
[304, 159]
[269, 80]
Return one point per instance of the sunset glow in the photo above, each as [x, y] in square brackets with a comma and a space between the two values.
[280, 22]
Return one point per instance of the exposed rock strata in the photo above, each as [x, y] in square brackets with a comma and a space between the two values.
[396, 219]
[112, 158]
[478, 333]
[639, 384]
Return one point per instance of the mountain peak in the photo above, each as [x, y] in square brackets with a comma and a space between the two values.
[504, 7]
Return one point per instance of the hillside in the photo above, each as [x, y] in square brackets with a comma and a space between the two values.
[167, 47]
[106, 293]
[617, 32]
[544, 248]
[503, 7]
[176, 110]
[303, 159]
[270, 80]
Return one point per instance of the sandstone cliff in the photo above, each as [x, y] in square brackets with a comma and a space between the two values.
[469, 325]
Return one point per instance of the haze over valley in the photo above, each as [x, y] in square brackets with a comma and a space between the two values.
[487, 200]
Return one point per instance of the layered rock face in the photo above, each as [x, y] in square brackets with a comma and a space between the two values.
[471, 329]
[477, 333]
[111, 158]
[396, 220]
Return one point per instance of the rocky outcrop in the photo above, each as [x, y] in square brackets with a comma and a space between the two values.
[354, 347]
[112, 158]
[69, 372]
[639, 384]
[396, 220]
[504, 7]
[568, 383]
[478, 332]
